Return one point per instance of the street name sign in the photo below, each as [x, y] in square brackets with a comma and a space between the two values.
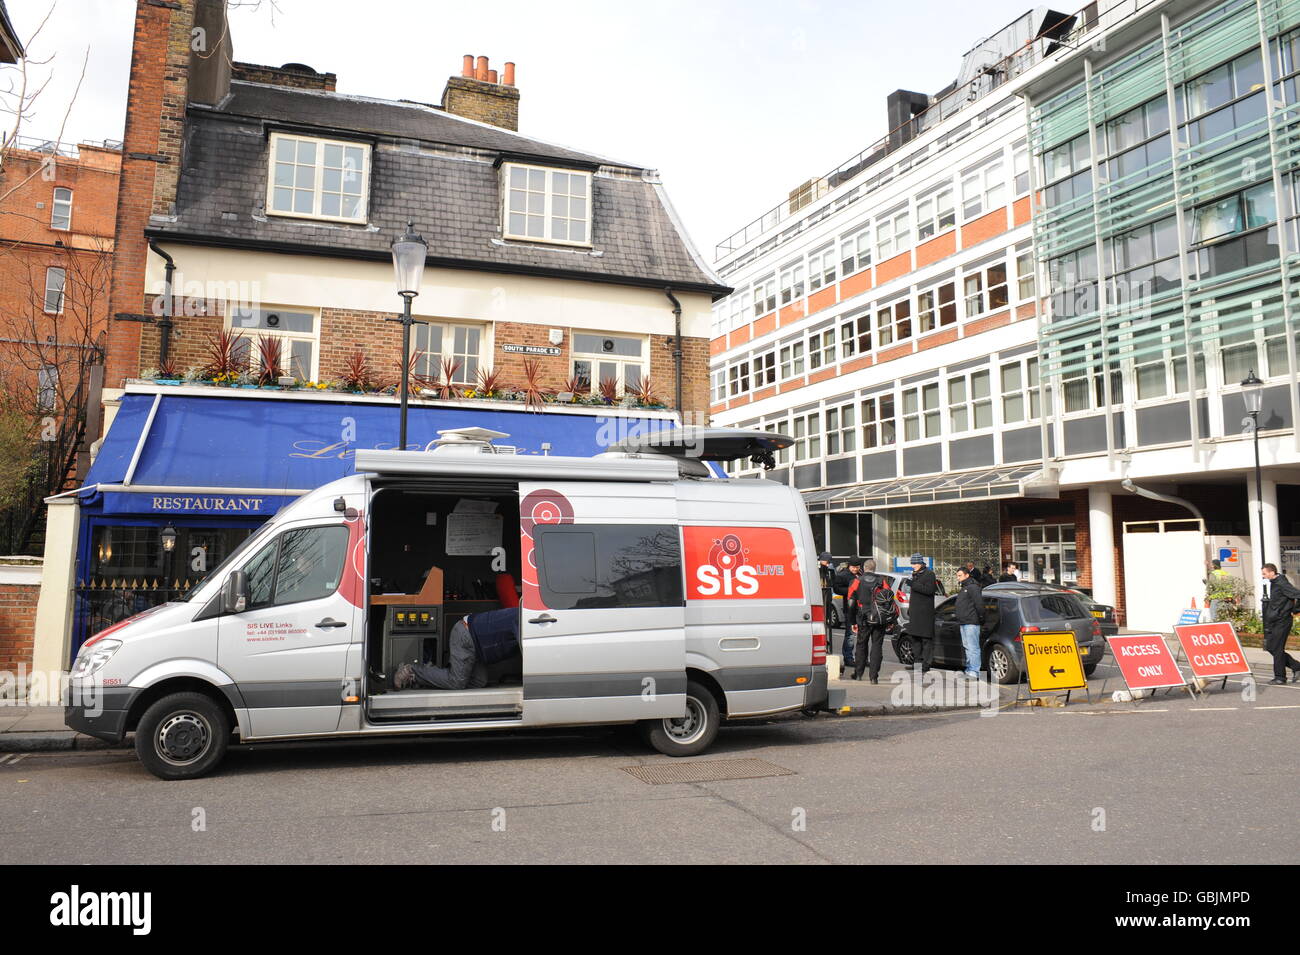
[1052, 661]
[1144, 661]
[1212, 649]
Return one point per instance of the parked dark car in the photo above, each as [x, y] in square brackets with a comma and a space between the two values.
[1012, 609]
[1103, 613]
[902, 587]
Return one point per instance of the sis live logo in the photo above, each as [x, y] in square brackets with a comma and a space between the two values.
[727, 570]
[77, 908]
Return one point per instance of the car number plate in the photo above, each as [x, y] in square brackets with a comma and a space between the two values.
[1083, 651]
[1099, 613]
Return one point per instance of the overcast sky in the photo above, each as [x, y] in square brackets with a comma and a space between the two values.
[734, 102]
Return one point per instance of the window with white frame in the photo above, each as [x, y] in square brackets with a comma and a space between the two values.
[1020, 168]
[983, 190]
[807, 436]
[936, 307]
[56, 280]
[792, 283]
[765, 369]
[765, 296]
[879, 429]
[598, 358]
[855, 251]
[849, 338]
[1024, 276]
[718, 384]
[1019, 380]
[443, 345]
[821, 268]
[791, 359]
[894, 323]
[293, 331]
[934, 213]
[738, 379]
[921, 412]
[841, 431]
[970, 402]
[893, 234]
[318, 178]
[547, 205]
[61, 209]
[821, 348]
[721, 317]
[861, 332]
[780, 427]
[986, 289]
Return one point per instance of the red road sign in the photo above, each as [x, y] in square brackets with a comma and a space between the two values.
[1212, 649]
[1145, 661]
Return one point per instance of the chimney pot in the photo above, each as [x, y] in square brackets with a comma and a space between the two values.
[492, 76]
[481, 72]
[467, 66]
[510, 74]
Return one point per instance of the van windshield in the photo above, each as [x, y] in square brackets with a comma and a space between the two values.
[251, 540]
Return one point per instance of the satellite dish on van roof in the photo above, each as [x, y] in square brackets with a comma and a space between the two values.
[709, 444]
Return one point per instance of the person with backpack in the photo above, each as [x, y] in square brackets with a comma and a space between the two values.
[844, 579]
[1281, 601]
[969, 615]
[876, 612]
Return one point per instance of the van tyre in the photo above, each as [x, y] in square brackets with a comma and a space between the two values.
[182, 736]
[688, 735]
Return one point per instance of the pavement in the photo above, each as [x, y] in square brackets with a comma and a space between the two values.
[34, 729]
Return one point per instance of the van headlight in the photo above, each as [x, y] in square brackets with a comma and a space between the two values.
[91, 659]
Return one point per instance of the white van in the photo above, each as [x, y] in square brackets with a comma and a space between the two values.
[648, 591]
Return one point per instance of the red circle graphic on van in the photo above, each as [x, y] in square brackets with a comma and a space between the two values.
[544, 507]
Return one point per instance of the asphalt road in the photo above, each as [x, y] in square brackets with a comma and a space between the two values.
[1170, 781]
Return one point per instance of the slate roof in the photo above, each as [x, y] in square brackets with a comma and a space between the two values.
[453, 198]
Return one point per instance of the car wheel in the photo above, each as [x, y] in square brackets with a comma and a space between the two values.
[690, 734]
[1002, 665]
[182, 736]
[903, 649]
[1090, 668]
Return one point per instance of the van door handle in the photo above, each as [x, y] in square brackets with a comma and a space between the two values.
[544, 618]
[329, 623]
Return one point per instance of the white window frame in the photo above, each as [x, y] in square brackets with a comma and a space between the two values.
[983, 190]
[643, 361]
[898, 328]
[765, 296]
[979, 301]
[928, 303]
[821, 348]
[792, 283]
[548, 205]
[251, 335]
[363, 207]
[927, 419]
[841, 429]
[821, 268]
[964, 407]
[429, 364]
[792, 363]
[935, 212]
[807, 436]
[879, 430]
[60, 289]
[893, 235]
[66, 205]
[1026, 276]
[738, 380]
[1026, 392]
[718, 383]
[855, 251]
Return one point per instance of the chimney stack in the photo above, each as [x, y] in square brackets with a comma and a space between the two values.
[479, 94]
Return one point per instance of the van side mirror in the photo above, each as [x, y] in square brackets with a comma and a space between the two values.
[234, 592]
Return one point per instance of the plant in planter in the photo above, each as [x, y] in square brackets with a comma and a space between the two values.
[574, 386]
[168, 369]
[358, 374]
[645, 395]
[534, 397]
[446, 387]
[608, 390]
[227, 356]
[270, 359]
[489, 385]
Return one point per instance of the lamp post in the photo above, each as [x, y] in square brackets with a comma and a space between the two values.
[168, 546]
[409, 252]
[1252, 390]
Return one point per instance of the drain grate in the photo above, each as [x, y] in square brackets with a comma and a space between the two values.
[705, 771]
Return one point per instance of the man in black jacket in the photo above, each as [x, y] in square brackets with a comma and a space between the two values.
[920, 613]
[827, 573]
[969, 615]
[843, 579]
[1279, 604]
[874, 611]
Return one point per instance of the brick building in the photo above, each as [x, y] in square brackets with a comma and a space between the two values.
[266, 202]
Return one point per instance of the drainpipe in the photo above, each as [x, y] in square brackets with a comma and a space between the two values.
[165, 323]
[677, 350]
[1128, 485]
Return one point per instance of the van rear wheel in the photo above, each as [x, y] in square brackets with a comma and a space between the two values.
[689, 734]
[182, 736]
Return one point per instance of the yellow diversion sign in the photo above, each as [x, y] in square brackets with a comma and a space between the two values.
[1052, 661]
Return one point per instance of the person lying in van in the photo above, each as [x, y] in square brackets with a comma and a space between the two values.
[476, 641]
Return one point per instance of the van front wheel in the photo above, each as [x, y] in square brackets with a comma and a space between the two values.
[689, 734]
[182, 736]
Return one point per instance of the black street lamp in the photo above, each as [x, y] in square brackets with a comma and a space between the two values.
[409, 252]
[1252, 390]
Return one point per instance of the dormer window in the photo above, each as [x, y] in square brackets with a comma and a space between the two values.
[547, 205]
[318, 178]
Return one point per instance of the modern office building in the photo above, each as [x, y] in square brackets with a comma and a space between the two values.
[978, 328]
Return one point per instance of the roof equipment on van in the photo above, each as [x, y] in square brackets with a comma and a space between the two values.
[709, 444]
[467, 441]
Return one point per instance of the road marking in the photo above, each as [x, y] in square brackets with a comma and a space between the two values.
[1293, 706]
[1212, 709]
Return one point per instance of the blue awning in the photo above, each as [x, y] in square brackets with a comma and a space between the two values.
[230, 455]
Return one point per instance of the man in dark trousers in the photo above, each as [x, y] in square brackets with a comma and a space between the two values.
[1279, 604]
[969, 615]
[920, 614]
[874, 611]
[827, 573]
[843, 579]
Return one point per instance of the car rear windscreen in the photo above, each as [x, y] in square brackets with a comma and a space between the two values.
[1050, 608]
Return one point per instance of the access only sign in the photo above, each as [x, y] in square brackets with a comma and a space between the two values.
[1144, 661]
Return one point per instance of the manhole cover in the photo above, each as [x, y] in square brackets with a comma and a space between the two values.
[705, 771]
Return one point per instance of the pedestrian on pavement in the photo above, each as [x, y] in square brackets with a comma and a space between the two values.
[875, 613]
[827, 573]
[1011, 574]
[969, 615]
[974, 571]
[855, 610]
[920, 614]
[843, 580]
[1281, 600]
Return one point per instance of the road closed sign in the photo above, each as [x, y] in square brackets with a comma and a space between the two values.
[1052, 661]
[1145, 661]
[1212, 649]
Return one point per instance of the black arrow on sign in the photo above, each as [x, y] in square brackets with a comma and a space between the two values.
[1055, 672]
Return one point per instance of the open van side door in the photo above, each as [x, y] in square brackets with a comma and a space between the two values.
[603, 608]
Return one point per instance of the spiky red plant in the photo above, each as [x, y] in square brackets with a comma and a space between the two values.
[644, 392]
[446, 386]
[609, 389]
[358, 374]
[489, 381]
[534, 396]
[226, 354]
[270, 356]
